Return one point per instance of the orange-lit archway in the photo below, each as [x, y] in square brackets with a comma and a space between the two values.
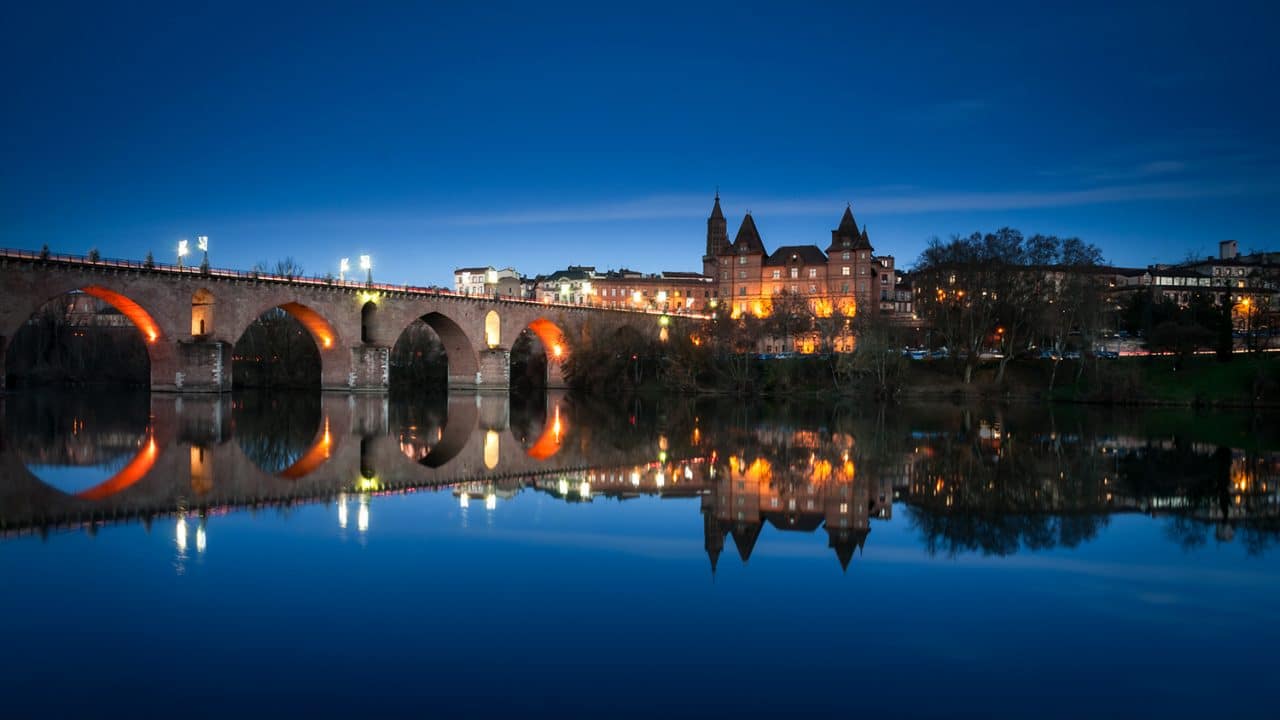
[552, 338]
[132, 472]
[314, 322]
[549, 442]
[140, 318]
[314, 457]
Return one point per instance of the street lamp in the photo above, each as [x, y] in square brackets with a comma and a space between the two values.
[344, 266]
[366, 264]
[183, 249]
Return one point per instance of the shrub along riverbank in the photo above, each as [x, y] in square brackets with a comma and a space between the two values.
[634, 365]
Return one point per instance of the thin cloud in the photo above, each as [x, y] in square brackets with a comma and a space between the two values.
[869, 202]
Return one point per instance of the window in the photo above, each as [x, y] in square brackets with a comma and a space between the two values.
[777, 273]
[795, 272]
[844, 255]
[812, 288]
[795, 288]
[742, 290]
[845, 271]
[742, 274]
[844, 288]
[742, 259]
[724, 275]
[863, 271]
[863, 255]
[884, 279]
[813, 272]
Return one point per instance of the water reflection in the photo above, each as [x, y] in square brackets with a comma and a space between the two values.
[992, 481]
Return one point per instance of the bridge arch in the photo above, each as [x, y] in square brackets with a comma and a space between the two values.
[20, 314]
[539, 352]
[264, 344]
[460, 352]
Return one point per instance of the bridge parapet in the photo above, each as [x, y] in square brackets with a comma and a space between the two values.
[192, 318]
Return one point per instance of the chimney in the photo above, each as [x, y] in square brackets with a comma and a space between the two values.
[1228, 250]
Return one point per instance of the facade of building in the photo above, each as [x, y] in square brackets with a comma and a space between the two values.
[847, 277]
[487, 282]
[738, 277]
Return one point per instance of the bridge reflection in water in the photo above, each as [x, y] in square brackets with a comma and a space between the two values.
[991, 482]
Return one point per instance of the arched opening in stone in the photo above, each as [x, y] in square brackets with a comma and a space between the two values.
[432, 353]
[492, 329]
[281, 349]
[368, 314]
[87, 336]
[201, 313]
[536, 355]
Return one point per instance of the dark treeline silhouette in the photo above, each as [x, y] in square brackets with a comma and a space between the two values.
[275, 429]
[276, 351]
[528, 364]
[418, 360]
[78, 340]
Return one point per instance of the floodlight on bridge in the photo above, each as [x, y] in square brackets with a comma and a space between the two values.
[183, 249]
[366, 264]
[344, 266]
[202, 242]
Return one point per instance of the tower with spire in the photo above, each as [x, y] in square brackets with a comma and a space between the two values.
[717, 237]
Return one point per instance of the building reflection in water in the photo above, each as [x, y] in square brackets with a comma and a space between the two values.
[992, 482]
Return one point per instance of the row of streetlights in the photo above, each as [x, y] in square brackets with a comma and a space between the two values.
[344, 265]
[366, 264]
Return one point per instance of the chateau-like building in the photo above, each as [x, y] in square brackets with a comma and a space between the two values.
[847, 277]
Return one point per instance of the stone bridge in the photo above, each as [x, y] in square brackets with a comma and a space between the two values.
[189, 459]
[191, 319]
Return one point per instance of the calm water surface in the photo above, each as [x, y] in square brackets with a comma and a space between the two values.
[345, 556]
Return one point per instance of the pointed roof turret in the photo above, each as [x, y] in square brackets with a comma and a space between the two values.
[744, 537]
[844, 542]
[748, 237]
[848, 226]
[847, 236]
[715, 209]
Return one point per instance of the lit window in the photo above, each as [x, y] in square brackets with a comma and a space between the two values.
[795, 272]
[812, 288]
[777, 273]
[742, 259]
[845, 270]
[844, 255]
[813, 272]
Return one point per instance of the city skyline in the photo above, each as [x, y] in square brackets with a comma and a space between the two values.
[435, 139]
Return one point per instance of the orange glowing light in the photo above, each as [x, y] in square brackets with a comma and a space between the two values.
[137, 468]
[140, 318]
[314, 457]
[548, 443]
[313, 322]
[550, 335]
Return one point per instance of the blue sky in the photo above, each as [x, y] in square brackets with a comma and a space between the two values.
[540, 136]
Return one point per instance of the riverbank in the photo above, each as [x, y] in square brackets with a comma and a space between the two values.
[1200, 381]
